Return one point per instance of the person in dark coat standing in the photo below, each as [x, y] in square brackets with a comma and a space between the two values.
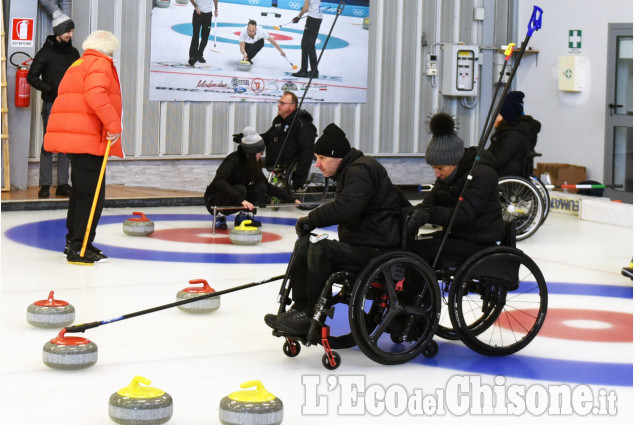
[479, 222]
[514, 137]
[45, 74]
[368, 211]
[299, 144]
[239, 181]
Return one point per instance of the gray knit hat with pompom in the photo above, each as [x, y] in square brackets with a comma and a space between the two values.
[251, 141]
[445, 147]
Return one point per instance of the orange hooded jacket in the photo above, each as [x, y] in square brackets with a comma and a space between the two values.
[88, 106]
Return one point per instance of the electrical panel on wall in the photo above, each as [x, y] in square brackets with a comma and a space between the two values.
[460, 70]
[570, 73]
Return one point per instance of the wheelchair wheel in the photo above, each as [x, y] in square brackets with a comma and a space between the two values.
[394, 307]
[498, 301]
[544, 195]
[313, 190]
[521, 201]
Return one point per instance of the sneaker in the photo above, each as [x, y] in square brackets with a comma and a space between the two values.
[201, 59]
[44, 192]
[300, 74]
[63, 190]
[270, 320]
[73, 257]
[242, 216]
[316, 74]
[221, 222]
[191, 62]
[294, 322]
[97, 254]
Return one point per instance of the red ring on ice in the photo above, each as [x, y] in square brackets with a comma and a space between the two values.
[203, 235]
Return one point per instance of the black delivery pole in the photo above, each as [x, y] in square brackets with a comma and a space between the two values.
[535, 24]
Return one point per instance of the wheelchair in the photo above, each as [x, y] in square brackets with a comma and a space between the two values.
[524, 199]
[495, 302]
[313, 190]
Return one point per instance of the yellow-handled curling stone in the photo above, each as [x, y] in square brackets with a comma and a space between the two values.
[69, 352]
[244, 234]
[138, 226]
[207, 305]
[50, 313]
[251, 407]
[140, 405]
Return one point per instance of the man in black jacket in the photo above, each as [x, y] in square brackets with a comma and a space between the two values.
[46, 72]
[367, 209]
[299, 145]
[479, 222]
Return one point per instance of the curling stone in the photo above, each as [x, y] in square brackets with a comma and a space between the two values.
[137, 405]
[366, 23]
[69, 352]
[162, 3]
[250, 407]
[50, 313]
[203, 306]
[138, 226]
[182, 1]
[245, 234]
[243, 65]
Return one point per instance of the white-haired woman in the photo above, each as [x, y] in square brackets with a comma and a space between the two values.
[86, 116]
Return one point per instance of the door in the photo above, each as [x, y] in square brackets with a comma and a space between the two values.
[618, 142]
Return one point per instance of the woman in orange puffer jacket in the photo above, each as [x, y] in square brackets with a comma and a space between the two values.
[85, 117]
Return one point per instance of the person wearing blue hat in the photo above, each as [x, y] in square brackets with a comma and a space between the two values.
[515, 136]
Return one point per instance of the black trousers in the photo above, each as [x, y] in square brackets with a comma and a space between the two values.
[311, 31]
[315, 262]
[254, 193]
[459, 249]
[201, 24]
[252, 49]
[85, 171]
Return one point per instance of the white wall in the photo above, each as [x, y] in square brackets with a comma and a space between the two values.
[572, 123]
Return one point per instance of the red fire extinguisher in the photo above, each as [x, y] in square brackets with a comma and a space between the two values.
[22, 88]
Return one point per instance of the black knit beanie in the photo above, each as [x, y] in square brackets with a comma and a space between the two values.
[512, 107]
[445, 147]
[333, 143]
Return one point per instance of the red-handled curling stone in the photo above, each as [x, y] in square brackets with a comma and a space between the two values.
[69, 352]
[138, 226]
[207, 305]
[50, 313]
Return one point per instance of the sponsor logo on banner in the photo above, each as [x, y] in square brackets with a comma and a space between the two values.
[258, 85]
[359, 12]
[294, 5]
[238, 82]
[254, 2]
[205, 84]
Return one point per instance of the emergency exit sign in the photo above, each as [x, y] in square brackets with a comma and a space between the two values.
[575, 40]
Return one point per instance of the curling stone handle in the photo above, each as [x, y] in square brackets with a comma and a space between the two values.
[142, 217]
[204, 282]
[51, 299]
[255, 383]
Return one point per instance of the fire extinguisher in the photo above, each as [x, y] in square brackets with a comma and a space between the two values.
[22, 88]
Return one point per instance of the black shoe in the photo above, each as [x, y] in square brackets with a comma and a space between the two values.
[63, 190]
[191, 62]
[250, 61]
[98, 254]
[300, 74]
[44, 192]
[242, 216]
[73, 257]
[270, 320]
[201, 59]
[221, 222]
[294, 322]
[316, 74]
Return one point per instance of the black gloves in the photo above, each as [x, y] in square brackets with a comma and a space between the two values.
[237, 138]
[297, 181]
[418, 218]
[302, 226]
[296, 19]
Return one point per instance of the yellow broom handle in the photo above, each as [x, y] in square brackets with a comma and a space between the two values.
[92, 209]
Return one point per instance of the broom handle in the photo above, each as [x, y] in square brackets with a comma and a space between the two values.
[94, 206]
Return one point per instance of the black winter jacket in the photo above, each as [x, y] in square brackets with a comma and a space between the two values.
[51, 62]
[479, 218]
[510, 145]
[367, 206]
[299, 145]
[234, 170]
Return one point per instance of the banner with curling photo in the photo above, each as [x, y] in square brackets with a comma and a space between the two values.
[184, 68]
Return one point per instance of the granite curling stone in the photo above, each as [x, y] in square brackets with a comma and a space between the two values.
[207, 305]
[251, 407]
[243, 65]
[69, 352]
[182, 1]
[50, 313]
[245, 234]
[138, 226]
[140, 405]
